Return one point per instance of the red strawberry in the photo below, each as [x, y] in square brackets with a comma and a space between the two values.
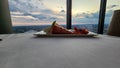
[83, 31]
[76, 31]
[80, 31]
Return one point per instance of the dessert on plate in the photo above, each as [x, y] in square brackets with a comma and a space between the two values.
[57, 29]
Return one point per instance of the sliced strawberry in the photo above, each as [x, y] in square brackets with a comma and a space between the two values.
[76, 31]
[83, 31]
[80, 31]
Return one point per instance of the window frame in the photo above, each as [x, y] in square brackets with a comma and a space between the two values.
[101, 15]
[100, 20]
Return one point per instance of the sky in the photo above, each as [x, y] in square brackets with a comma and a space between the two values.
[42, 12]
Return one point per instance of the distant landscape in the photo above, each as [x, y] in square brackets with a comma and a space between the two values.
[36, 28]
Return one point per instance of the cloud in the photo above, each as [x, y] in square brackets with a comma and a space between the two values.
[47, 11]
[108, 16]
[41, 16]
[32, 17]
[62, 11]
[23, 19]
[109, 13]
[112, 6]
[88, 15]
[34, 9]
[92, 17]
[26, 5]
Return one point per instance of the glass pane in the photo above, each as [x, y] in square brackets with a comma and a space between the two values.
[111, 6]
[85, 14]
[36, 14]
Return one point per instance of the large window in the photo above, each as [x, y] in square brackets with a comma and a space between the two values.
[111, 6]
[85, 14]
[38, 13]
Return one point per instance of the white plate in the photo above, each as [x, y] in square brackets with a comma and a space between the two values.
[43, 34]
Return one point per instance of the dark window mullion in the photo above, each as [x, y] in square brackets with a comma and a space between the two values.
[102, 16]
[69, 14]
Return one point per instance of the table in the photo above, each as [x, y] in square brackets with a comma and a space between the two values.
[28, 51]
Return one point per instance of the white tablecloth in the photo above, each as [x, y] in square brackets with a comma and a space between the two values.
[27, 51]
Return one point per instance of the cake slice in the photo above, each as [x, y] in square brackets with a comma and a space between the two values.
[57, 29]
